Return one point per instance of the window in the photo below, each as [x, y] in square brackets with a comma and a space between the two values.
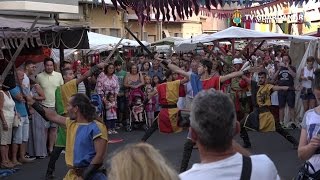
[103, 31]
[114, 32]
[94, 30]
[145, 36]
[177, 35]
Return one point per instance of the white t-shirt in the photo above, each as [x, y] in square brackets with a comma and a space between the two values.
[274, 98]
[230, 169]
[311, 123]
[26, 83]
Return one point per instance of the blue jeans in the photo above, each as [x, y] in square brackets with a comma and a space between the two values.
[110, 123]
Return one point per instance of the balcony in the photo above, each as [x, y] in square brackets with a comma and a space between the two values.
[46, 6]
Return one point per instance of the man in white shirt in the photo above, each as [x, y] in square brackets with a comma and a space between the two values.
[213, 126]
[29, 70]
[49, 80]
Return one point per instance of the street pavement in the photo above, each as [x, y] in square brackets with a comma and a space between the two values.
[171, 146]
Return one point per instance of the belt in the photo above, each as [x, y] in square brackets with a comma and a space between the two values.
[168, 106]
[263, 109]
[78, 171]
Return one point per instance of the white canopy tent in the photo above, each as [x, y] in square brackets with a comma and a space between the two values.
[98, 43]
[238, 33]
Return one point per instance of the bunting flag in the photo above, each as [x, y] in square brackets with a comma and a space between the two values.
[185, 8]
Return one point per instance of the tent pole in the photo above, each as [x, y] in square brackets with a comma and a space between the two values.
[255, 50]
[233, 48]
[246, 48]
[61, 52]
[16, 54]
[115, 48]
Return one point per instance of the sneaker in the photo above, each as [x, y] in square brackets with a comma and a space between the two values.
[110, 132]
[114, 132]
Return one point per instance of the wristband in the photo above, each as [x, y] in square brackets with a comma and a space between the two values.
[90, 170]
[39, 108]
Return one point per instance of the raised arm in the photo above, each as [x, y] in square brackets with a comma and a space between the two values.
[47, 114]
[173, 67]
[178, 70]
[90, 72]
[231, 75]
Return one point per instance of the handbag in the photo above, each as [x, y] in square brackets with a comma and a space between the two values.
[304, 172]
[16, 121]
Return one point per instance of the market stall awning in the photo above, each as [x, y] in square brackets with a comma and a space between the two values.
[13, 31]
[168, 41]
[238, 33]
[105, 42]
[99, 43]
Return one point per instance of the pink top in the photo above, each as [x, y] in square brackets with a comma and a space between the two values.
[111, 112]
[106, 84]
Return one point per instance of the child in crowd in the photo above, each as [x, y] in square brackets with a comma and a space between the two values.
[148, 83]
[151, 106]
[111, 113]
[137, 109]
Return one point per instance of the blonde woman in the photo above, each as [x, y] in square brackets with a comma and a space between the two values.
[140, 161]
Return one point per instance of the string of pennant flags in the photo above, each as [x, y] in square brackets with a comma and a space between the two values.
[183, 9]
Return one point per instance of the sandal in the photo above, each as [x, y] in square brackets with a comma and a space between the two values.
[16, 163]
[7, 165]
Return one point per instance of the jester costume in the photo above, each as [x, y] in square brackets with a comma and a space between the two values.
[62, 95]
[168, 94]
[261, 119]
[168, 97]
[80, 148]
[239, 97]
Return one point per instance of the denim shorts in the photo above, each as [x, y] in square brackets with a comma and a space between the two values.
[307, 94]
[21, 133]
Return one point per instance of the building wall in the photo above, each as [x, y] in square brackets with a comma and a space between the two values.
[106, 24]
[191, 29]
[56, 6]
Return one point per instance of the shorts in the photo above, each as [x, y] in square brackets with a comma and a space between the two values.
[21, 133]
[51, 124]
[307, 94]
[286, 97]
